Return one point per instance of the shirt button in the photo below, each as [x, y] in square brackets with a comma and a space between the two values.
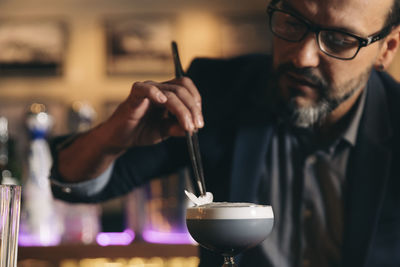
[306, 263]
[311, 160]
[308, 213]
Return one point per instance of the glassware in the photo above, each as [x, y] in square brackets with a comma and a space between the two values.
[10, 197]
[7, 160]
[229, 228]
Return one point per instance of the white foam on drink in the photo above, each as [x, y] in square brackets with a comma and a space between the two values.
[230, 210]
[201, 200]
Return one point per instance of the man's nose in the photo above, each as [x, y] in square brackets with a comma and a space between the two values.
[306, 53]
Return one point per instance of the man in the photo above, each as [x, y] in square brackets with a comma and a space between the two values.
[314, 132]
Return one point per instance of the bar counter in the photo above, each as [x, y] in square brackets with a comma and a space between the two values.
[137, 254]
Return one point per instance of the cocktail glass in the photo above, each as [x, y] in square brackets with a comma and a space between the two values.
[229, 228]
[10, 202]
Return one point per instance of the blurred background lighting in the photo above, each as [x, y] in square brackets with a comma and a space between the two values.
[167, 237]
[114, 238]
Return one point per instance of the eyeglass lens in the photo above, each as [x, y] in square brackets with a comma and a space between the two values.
[334, 43]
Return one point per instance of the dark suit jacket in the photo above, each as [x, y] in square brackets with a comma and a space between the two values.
[234, 144]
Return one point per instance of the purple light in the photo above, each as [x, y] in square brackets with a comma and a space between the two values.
[28, 240]
[167, 237]
[116, 238]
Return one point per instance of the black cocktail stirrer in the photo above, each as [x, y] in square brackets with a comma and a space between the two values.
[191, 138]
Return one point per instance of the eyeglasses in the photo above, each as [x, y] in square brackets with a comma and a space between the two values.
[333, 42]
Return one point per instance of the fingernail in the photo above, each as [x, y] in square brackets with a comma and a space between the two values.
[189, 123]
[200, 122]
[162, 98]
[191, 126]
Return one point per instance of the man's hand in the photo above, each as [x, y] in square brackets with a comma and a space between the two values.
[155, 111]
[151, 113]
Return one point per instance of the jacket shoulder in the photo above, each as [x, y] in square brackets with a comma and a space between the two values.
[212, 69]
[230, 86]
[392, 88]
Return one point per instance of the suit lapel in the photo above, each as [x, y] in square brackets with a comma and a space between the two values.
[248, 161]
[253, 134]
[367, 176]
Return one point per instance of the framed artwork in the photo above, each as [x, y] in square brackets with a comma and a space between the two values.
[32, 46]
[139, 44]
[244, 34]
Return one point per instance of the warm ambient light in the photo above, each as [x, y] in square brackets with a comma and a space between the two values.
[167, 238]
[115, 238]
[132, 262]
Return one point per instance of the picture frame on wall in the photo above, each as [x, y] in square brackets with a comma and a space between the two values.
[139, 44]
[244, 34]
[34, 46]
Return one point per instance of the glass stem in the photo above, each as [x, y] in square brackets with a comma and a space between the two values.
[229, 262]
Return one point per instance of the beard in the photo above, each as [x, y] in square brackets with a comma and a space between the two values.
[329, 97]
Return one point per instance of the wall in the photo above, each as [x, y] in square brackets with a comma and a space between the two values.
[84, 76]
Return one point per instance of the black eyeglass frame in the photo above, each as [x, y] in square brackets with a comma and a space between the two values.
[362, 42]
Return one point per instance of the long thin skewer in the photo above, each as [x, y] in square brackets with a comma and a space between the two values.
[191, 138]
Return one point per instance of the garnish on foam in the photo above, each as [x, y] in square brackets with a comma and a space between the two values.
[201, 200]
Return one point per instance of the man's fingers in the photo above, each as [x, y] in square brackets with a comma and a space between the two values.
[141, 90]
[188, 84]
[180, 111]
[185, 98]
[170, 127]
[182, 102]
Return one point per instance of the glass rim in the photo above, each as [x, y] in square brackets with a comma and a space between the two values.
[252, 211]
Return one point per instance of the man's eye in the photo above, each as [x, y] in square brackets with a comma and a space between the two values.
[335, 41]
[294, 25]
[287, 24]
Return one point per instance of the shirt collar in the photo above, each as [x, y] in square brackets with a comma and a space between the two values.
[351, 130]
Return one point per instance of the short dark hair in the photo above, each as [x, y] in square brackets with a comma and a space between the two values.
[393, 17]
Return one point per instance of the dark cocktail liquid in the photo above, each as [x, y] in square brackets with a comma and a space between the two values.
[229, 228]
[229, 237]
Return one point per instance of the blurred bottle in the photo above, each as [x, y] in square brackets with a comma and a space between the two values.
[41, 223]
[9, 167]
[81, 220]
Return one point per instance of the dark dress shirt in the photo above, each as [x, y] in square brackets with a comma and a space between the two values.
[308, 229]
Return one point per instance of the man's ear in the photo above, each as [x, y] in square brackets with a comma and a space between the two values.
[388, 49]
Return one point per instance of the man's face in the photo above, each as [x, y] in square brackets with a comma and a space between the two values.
[311, 83]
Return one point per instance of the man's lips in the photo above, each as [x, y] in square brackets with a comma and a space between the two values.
[299, 83]
[301, 80]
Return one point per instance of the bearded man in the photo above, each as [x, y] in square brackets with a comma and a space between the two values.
[312, 131]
